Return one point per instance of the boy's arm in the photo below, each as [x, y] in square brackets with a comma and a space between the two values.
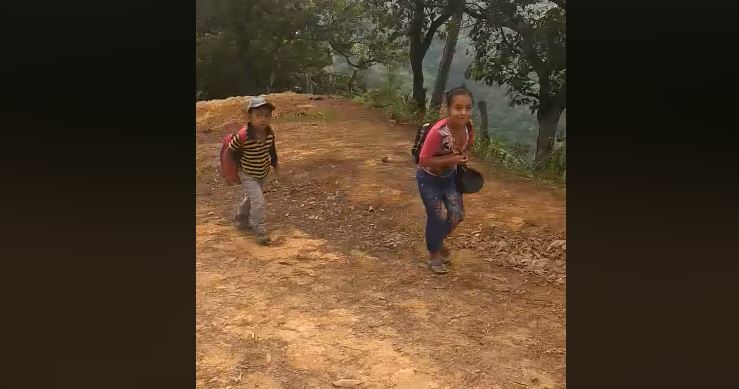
[234, 147]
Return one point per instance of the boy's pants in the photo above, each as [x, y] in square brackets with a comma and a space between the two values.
[252, 207]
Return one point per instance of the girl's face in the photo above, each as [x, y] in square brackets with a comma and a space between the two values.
[460, 109]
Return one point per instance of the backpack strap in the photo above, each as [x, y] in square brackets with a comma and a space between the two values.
[242, 135]
[470, 133]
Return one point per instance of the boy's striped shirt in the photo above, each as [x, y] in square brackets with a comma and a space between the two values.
[256, 156]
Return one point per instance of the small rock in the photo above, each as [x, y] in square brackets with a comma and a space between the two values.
[371, 209]
[517, 223]
[347, 383]
[558, 244]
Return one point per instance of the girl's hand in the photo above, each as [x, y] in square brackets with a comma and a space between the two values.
[458, 159]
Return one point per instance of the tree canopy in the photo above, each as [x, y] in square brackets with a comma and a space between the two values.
[520, 44]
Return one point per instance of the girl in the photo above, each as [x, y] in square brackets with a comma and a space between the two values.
[446, 146]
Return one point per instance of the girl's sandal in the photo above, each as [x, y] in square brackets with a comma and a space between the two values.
[438, 267]
[446, 256]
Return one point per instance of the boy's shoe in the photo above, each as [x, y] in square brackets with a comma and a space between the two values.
[263, 239]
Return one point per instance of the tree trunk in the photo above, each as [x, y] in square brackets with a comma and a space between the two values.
[271, 81]
[419, 92]
[352, 79]
[446, 60]
[416, 55]
[483, 131]
[548, 117]
[308, 84]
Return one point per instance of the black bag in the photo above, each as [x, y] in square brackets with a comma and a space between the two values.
[468, 180]
[421, 134]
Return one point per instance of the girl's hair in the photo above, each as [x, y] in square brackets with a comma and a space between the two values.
[456, 92]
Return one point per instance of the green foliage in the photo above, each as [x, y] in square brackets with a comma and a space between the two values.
[250, 46]
[552, 170]
[555, 164]
[244, 46]
[430, 116]
[392, 97]
[357, 31]
[496, 151]
[336, 83]
[419, 21]
[521, 44]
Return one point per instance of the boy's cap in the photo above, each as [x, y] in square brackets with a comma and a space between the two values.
[258, 101]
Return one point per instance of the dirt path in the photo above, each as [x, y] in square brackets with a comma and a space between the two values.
[343, 292]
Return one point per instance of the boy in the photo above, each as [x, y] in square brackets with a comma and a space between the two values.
[255, 157]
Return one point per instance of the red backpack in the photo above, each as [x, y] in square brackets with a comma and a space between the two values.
[229, 166]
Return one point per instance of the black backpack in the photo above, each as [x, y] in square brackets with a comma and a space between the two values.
[421, 134]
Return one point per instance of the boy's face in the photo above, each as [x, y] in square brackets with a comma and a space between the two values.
[260, 117]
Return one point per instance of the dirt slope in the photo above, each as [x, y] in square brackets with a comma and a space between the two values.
[343, 293]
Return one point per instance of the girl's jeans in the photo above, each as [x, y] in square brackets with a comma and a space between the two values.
[435, 192]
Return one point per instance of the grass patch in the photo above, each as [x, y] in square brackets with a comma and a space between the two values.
[552, 171]
[309, 116]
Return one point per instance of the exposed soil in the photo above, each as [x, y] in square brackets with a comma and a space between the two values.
[344, 293]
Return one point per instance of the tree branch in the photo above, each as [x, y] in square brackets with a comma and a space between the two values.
[531, 94]
[561, 4]
[476, 13]
[529, 51]
[342, 53]
[361, 65]
[448, 11]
